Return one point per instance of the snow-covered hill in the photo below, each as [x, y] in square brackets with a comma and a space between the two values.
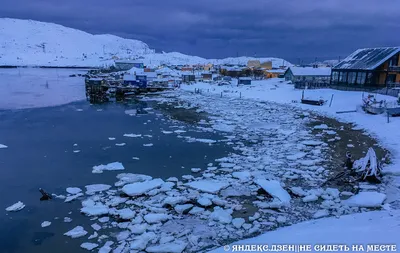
[27, 42]
[34, 43]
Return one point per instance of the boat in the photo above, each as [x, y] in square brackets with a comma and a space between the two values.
[372, 106]
[393, 108]
[313, 102]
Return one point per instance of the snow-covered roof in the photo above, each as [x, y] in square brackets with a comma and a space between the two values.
[129, 78]
[276, 71]
[367, 58]
[148, 74]
[245, 78]
[310, 71]
[96, 79]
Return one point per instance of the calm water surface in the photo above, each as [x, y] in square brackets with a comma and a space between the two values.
[40, 155]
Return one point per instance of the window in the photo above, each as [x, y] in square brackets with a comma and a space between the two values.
[394, 60]
[335, 77]
[351, 78]
[361, 78]
[343, 77]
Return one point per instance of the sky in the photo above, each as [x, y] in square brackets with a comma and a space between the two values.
[297, 30]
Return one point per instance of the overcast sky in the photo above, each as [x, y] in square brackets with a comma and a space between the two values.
[290, 29]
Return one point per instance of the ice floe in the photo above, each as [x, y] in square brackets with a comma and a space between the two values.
[139, 188]
[15, 207]
[366, 199]
[76, 232]
[111, 166]
[210, 186]
[45, 224]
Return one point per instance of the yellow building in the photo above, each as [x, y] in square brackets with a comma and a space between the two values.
[253, 64]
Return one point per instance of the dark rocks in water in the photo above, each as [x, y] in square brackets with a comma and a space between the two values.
[72, 75]
[45, 195]
[261, 191]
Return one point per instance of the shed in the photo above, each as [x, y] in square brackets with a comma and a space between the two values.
[295, 74]
[244, 80]
[206, 76]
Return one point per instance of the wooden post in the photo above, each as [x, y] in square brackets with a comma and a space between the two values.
[240, 95]
[331, 100]
[302, 95]
[387, 117]
[221, 94]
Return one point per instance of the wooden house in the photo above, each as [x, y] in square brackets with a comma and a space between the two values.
[188, 77]
[253, 64]
[368, 68]
[206, 76]
[266, 65]
[274, 73]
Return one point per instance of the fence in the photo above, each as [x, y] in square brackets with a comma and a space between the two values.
[392, 89]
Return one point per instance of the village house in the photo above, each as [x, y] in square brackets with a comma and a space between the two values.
[266, 65]
[308, 74]
[206, 76]
[368, 68]
[188, 77]
[274, 73]
[253, 64]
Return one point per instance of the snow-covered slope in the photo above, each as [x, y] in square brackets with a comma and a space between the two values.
[28, 42]
[34, 43]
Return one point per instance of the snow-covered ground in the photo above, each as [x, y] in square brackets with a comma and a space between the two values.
[36, 87]
[34, 43]
[380, 227]
[276, 90]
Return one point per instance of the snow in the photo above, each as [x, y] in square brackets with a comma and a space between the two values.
[275, 189]
[139, 188]
[73, 190]
[109, 167]
[15, 207]
[45, 224]
[174, 247]
[348, 229]
[366, 199]
[3, 146]
[89, 246]
[209, 186]
[76, 232]
[148, 145]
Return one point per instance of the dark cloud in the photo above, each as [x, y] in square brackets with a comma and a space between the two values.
[219, 28]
